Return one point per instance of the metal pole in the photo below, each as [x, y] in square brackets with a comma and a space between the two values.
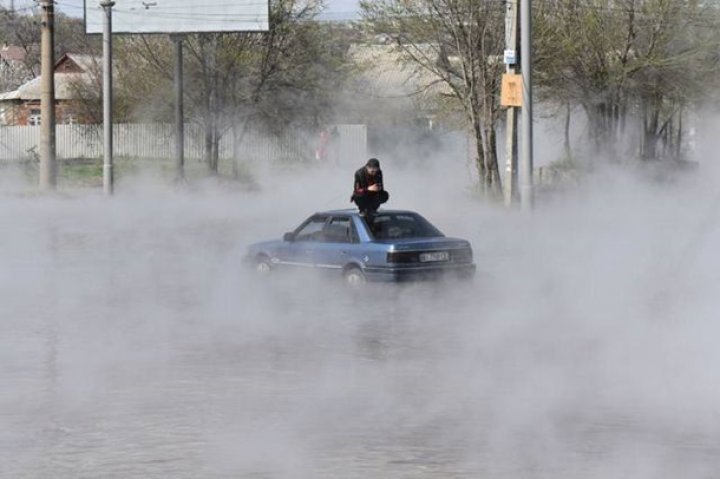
[179, 115]
[511, 143]
[107, 98]
[48, 164]
[526, 167]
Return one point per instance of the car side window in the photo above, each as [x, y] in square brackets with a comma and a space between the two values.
[339, 230]
[311, 231]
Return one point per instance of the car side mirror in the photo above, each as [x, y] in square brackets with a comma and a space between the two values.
[289, 237]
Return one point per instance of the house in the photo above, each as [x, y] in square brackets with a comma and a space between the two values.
[15, 68]
[73, 74]
[12, 53]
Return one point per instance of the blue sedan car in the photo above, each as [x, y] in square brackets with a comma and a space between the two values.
[391, 245]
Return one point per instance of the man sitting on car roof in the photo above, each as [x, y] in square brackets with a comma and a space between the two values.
[368, 191]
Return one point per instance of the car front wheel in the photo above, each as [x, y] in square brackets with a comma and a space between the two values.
[262, 265]
[354, 276]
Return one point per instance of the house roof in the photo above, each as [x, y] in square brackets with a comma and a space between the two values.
[65, 83]
[12, 53]
[10, 95]
[65, 87]
[85, 63]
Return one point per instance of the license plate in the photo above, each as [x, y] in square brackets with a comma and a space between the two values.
[434, 256]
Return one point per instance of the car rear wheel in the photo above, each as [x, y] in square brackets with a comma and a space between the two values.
[262, 265]
[354, 276]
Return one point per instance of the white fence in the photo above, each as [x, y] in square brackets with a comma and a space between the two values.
[150, 141]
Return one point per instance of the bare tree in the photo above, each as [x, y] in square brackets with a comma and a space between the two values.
[461, 43]
[23, 31]
[627, 62]
[272, 80]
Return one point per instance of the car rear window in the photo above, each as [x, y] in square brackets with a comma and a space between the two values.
[401, 226]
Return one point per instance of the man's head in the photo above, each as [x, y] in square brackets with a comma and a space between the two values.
[372, 166]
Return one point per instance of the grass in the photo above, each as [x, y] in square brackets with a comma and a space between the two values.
[88, 172]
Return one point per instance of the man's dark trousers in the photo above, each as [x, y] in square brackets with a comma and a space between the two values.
[370, 201]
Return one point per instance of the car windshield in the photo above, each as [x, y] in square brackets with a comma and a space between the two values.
[386, 226]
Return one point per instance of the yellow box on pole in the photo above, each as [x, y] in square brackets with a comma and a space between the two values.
[511, 91]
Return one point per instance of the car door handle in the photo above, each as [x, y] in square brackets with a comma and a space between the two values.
[344, 252]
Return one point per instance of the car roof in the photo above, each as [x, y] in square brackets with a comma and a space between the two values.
[354, 212]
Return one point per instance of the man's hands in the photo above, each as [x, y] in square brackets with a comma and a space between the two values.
[374, 188]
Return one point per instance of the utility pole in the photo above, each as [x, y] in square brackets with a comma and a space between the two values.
[526, 170]
[107, 97]
[48, 165]
[177, 40]
[511, 143]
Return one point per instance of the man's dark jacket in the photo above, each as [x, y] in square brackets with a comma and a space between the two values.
[363, 180]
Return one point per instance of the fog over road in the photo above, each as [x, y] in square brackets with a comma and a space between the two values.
[132, 344]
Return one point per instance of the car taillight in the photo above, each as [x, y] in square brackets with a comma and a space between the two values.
[464, 255]
[402, 257]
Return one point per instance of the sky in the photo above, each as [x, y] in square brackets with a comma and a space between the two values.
[336, 9]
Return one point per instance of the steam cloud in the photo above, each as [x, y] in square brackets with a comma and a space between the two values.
[133, 344]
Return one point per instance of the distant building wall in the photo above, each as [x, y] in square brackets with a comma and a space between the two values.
[27, 113]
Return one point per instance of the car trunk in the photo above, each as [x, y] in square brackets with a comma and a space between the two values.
[427, 251]
[420, 244]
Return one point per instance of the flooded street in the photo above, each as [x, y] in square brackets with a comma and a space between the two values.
[161, 161]
[132, 344]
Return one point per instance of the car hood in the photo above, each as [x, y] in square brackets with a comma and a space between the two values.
[410, 244]
[265, 245]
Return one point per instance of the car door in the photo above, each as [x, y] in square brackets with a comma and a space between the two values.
[302, 250]
[339, 242]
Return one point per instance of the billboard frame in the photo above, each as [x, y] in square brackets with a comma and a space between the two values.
[178, 31]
